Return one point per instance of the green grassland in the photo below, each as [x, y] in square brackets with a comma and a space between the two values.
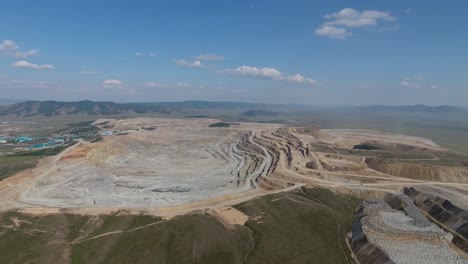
[304, 226]
[14, 164]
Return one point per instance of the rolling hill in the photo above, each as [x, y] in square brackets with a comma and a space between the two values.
[56, 108]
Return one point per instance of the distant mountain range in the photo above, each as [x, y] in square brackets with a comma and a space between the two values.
[412, 108]
[56, 108]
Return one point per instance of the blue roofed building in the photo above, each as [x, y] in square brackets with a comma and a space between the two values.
[39, 146]
[23, 139]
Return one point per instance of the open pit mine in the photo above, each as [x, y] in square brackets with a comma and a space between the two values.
[168, 167]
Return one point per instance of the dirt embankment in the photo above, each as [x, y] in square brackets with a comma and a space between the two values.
[365, 251]
[419, 171]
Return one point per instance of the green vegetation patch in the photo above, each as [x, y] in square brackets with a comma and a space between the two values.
[220, 124]
[303, 226]
[10, 165]
[296, 228]
[365, 147]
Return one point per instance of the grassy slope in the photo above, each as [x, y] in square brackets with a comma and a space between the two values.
[284, 228]
[11, 165]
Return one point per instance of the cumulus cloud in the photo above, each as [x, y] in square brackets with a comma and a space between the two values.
[410, 84]
[298, 79]
[109, 83]
[29, 65]
[350, 17]
[267, 73]
[253, 72]
[149, 54]
[152, 85]
[8, 45]
[88, 72]
[25, 54]
[208, 57]
[338, 24]
[182, 85]
[187, 64]
[333, 32]
[417, 82]
[158, 85]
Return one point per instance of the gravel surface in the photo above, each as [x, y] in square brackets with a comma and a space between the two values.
[413, 211]
[407, 238]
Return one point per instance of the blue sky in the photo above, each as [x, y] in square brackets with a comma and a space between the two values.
[308, 52]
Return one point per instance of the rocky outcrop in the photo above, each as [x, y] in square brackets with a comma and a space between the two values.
[404, 203]
[446, 215]
[385, 235]
[366, 252]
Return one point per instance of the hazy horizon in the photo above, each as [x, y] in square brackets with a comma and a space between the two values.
[9, 101]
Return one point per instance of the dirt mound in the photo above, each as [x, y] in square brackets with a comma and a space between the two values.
[419, 171]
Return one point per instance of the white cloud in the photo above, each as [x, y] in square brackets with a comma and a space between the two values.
[29, 65]
[141, 54]
[187, 64]
[417, 82]
[182, 85]
[350, 17]
[333, 32]
[338, 23]
[408, 10]
[410, 84]
[152, 85]
[87, 72]
[267, 73]
[25, 54]
[298, 79]
[8, 45]
[253, 72]
[109, 83]
[208, 57]
[158, 85]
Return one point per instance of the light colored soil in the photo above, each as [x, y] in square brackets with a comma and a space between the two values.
[230, 215]
[347, 138]
[183, 165]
